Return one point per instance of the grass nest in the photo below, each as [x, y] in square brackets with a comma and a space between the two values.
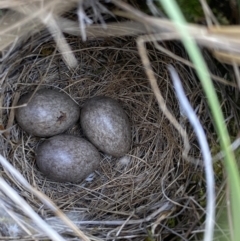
[151, 193]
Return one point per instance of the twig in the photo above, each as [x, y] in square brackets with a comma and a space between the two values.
[83, 20]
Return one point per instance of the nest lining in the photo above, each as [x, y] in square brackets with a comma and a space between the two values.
[133, 187]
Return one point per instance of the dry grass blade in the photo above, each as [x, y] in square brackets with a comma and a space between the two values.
[171, 36]
[61, 42]
[94, 31]
[221, 154]
[43, 198]
[188, 110]
[212, 38]
[15, 3]
[50, 20]
[8, 190]
[19, 22]
[209, 16]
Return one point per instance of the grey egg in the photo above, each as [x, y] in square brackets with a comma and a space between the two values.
[106, 125]
[47, 113]
[67, 158]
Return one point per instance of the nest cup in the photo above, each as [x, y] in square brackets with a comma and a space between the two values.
[152, 190]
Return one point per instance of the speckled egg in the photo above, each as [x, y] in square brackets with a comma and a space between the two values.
[67, 158]
[48, 113]
[106, 125]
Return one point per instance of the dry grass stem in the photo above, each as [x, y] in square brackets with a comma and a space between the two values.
[210, 209]
[151, 76]
[42, 197]
[28, 210]
[11, 115]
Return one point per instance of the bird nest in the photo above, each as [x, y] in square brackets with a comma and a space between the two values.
[150, 192]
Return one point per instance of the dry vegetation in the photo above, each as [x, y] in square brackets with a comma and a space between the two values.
[152, 193]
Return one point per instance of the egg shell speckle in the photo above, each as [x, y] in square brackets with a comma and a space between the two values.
[48, 113]
[67, 158]
[106, 125]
